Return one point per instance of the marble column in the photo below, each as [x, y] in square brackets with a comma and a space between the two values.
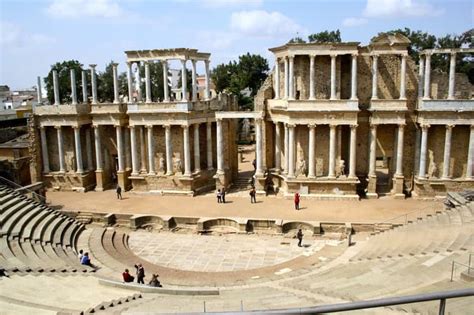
[421, 76]
[374, 76]
[354, 77]
[126, 145]
[39, 96]
[447, 151]
[452, 76]
[209, 145]
[332, 151]
[166, 96]
[187, 151]
[98, 148]
[44, 150]
[62, 166]
[423, 151]
[291, 151]
[169, 151]
[291, 78]
[373, 150]
[426, 94]
[138, 83]
[286, 66]
[57, 100]
[352, 152]
[311, 151]
[90, 163]
[470, 155]
[184, 81]
[193, 80]
[116, 84]
[220, 147]
[197, 153]
[84, 87]
[206, 74]
[259, 146]
[151, 150]
[286, 140]
[73, 87]
[130, 82]
[312, 83]
[276, 87]
[403, 70]
[147, 83]
[143, 169]
[133, 144]
[77, 144]
[399, 165]
[118, 131]
[333, 77]
[277, 146]
[94, 84]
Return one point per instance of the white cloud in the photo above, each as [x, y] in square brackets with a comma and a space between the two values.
[80, 8]
[353, 22]
[231, 3]
[400, 8]
[260, 23]
[13, 36]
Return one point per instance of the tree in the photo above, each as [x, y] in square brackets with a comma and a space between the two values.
[296, 40]
[251, 72]
[156, 79]
[325, 37]
[222, 74]
[64, 79]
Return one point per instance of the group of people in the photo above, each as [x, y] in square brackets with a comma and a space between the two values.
[220, 194]
[84, 258]
[140, 273]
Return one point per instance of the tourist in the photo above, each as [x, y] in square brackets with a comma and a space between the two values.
[127, 277]
[297, 201]
[254, 163]
[85, 260]
[119, 192]
[299, 236]
[223, 195]
[252, 194]
[154, 282]
[219, 196]
[80, 255]
[140, 273]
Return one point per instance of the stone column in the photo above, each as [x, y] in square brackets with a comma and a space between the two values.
[142, 150]
[373, 150]
[286, 94]
[277, 146]
[94, 84]
[426, 94]
[332, 151]
[57, 100]
[151, 151]
[291, 151]
[206, 74]
[259, 146]
[197, 153]
[291, 79]
[470, 155]
[77, 144]
[184, 83]
[421, 76]
[399, 168]
[403, 70]
[187, 151]
[311, 150]
[333, 77]
[423, 151]
[130, 82]
[90, 164]
[447, 151]
[62, 166]
[352, 153]
[138, 83]
[147, 83]
[312, 83]
[133, 144]
[209, 145]
[84, 87]
[374, 76]
[73, 87]
[128, 159]
[166, 96]
[169, 151]
[354, 78]
[39, 97]
[44, 150]
[277, 79]
[98, 148]
[193, 80]
[116, 85]
[220, 147]
[118, 130]
[452, 76]
[287, 141]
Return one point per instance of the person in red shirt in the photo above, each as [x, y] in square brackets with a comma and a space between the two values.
[297, 201]
[127, 277]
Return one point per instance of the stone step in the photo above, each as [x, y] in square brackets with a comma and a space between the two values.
[10, 221]
[23, 222]
[43, 226]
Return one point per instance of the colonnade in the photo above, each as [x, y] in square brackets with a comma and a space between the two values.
[424, 74]
[373, 150]
[403, 70]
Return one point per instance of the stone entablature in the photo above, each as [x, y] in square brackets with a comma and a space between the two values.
[165, 54]
[315, 49]
[378, 105]
[439, 105]
[313, 105]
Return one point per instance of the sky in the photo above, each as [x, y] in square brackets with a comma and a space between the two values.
[37, 33]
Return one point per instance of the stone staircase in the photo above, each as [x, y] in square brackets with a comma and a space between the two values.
[243, 182]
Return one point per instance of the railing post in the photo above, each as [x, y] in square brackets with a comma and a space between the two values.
[452, 271]
[442, 306]
[241, 305]
[204, 306]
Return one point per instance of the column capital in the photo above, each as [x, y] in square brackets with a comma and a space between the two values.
[472, 127]
[193, 61]
[131, 127]
[372, 125]
[450, 127]
[333, 126]
[76, 127]
[206, 62]
[333, 56]
[311, 126]
[375, 55]
[95, 126]
[149, 126]
[57, 127]
[404, 55]
[355, 55]
[354, 126]
[42, 127]
[401, 126]
[115, 64]
[219, 119]
[185, 126]
[291, 57]
[425, 126]
[92, 66]
[183, 61]
[312, 56]
[291, 125]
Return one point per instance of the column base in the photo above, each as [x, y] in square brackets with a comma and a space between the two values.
[398, 187]
[372, 187]
[372, 196]
[99, 180]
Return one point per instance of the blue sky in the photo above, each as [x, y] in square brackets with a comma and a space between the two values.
[35, 34]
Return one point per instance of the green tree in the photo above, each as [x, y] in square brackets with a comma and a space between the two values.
[325, 37]
[222, 74]
[251, 72]
[296, 40]
[64, 78]
[156, 79]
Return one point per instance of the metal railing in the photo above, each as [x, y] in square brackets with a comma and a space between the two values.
[405, 215]
[22, 189]
[440, 296]
[454, 263]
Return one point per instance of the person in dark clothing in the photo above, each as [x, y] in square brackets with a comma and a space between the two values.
[254, 163]
[252, 194]
[219, 196]
[154, 282]
[140, 273]
[299, 236]
[127, 277]
[119, 192]
[223, 195]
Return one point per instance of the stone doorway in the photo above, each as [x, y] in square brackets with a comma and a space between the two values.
[246, 170]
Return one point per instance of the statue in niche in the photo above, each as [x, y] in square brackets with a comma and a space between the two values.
[302, 168]
[433, 169]
[178, 166]
[245, 132]
[342, 167]
[70, 162]
[161, 165]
